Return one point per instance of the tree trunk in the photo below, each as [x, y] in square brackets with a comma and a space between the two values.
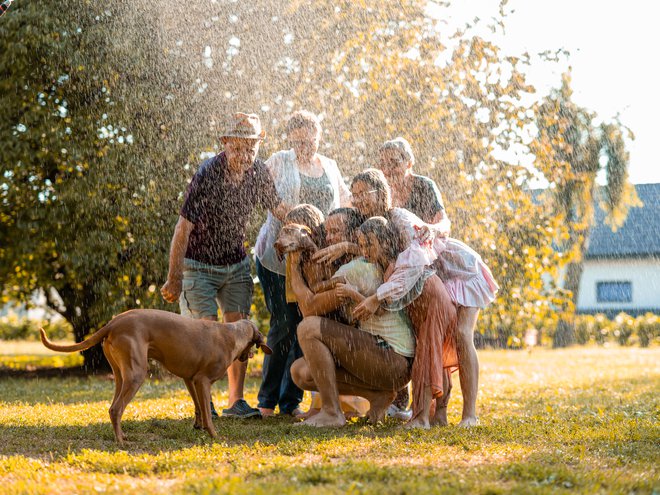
[94, 361]
[565, 331]
[75, 301]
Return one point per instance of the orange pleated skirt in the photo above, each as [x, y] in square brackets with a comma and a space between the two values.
[434, 319]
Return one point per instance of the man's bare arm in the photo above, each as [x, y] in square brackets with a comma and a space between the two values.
[172, 288]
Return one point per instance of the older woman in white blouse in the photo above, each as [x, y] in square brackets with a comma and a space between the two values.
[301, 175]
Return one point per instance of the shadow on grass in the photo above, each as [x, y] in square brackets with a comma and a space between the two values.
[156, 435]
[71, 386]
[34, 373]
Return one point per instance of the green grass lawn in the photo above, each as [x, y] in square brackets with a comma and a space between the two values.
[583, 420]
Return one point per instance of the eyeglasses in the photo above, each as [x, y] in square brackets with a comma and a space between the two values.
[364, 193]
[302, 143]
[389, 164]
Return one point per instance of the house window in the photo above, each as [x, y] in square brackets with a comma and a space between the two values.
[614, 291]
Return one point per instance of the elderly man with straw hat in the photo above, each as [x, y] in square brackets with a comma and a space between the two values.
[208, 263]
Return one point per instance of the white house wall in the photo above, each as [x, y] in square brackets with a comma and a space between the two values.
[643, 274]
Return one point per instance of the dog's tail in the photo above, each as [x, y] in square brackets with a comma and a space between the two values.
[81, 346]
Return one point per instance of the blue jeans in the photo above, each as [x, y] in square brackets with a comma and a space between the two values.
[277, 387]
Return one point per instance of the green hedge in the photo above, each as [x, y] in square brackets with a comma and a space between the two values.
[589, 329]
[14, 327]
[623, 329]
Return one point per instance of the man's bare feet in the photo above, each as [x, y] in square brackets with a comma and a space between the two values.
[325, 420]
[266, 412]
[469, 422]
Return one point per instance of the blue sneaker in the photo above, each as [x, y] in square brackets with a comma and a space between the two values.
[241, 410]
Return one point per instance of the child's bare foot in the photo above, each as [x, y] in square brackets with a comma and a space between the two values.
[469, 422]
[418, 422]
[266, 412]
[440, 417]
[324, 419]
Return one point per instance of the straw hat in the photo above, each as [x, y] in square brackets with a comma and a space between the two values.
[244, 125]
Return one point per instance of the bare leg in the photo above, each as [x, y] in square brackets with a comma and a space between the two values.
[379, 400]
[331, 366]
[440, 415]
[468, 364]
[237, 371]
[421, 419]
[314, 406]
[347, 384]
[321, 366]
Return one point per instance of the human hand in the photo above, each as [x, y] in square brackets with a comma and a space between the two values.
[171, 290]
[330, 254]
[366, 308]
[326, 285]
[346, 290]
[424, 234]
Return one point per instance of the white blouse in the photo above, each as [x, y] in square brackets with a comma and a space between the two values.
[283, 166]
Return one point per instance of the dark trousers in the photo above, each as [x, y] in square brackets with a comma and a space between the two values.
[277, 387]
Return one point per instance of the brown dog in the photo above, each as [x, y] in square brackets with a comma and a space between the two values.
[199, 351]
[296, 237]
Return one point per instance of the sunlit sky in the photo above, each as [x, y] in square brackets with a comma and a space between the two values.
[613, 54]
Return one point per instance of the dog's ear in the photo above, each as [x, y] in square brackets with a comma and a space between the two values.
[259, 340]
[307, 243]
[318, 236]
[261, 343]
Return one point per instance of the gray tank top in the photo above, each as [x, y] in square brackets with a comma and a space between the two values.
[317, 191]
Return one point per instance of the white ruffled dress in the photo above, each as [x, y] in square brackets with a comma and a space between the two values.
[468, 280]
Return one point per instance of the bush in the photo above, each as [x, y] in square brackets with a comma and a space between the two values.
[14, 327]
[602, 329]
[624, 329]
[648, 329]
[585, 329]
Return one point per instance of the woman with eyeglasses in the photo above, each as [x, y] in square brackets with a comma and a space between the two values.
[416, 193]
[421, 196]
[301, 175]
